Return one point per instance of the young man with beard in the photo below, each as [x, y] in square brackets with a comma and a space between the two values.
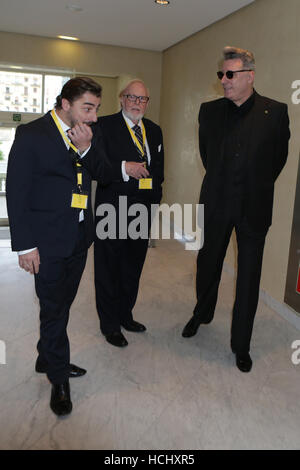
[51, 222]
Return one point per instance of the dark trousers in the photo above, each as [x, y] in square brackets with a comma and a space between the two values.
[56, 287]
[209, 269]
[118, 268]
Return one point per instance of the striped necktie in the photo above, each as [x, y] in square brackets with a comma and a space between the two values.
[138, 133]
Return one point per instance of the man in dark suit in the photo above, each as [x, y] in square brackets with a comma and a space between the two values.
[134, 144]
[51, 221]
[244, 146]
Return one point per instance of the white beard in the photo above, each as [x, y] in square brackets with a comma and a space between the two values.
[132, 116]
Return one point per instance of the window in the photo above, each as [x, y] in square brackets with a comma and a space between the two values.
[53, 86]
[29, 92]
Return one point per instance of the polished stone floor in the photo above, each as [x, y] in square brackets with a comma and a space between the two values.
[162, 391]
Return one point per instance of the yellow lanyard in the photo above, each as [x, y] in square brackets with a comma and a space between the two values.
[62, 132]
[135, 139]
[79, 173]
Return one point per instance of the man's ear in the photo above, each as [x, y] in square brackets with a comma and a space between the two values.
[65, 104]
[252, 75]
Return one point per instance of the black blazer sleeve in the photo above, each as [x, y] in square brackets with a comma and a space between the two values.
[283, 136]
[158, 163]
[97, 163]
[20, 173]
[202, 135]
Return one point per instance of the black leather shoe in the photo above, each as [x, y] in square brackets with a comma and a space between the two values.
[60, 402]
[134, 326]
[75, 371]
[191, 327]
[243, 362]
[116, 339]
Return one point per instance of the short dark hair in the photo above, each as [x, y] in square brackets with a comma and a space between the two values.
[75, 88]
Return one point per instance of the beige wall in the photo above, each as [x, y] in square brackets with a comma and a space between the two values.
[270, 29]
[87, 59]
[267, 27]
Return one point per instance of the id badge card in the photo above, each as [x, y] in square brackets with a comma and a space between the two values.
[145, 183]
[79, 200]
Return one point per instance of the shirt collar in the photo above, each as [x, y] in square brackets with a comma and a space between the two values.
[129, 121]
[245, 107]
[64, 126]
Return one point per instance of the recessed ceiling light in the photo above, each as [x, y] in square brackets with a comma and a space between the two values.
[69, 38]
[162, 2]
[74, 8]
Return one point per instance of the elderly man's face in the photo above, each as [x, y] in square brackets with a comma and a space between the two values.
[239, 88]
[133, 107]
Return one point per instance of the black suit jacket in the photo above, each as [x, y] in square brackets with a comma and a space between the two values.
[266, 154]
[119, 146]
[40, 181]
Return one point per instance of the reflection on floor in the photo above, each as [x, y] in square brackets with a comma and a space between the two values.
[162, 391]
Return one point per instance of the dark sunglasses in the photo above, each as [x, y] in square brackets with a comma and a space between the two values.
[229, 74]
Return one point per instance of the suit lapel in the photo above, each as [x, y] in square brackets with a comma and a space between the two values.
[150, 140]
[124, 136]
[52, 131]
[221, 127]
[256, 126]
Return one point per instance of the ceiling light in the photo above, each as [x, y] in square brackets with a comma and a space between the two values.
[75, 8]
[162, 2]
[69, 38]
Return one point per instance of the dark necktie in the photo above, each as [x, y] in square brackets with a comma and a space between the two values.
[138, 133]
[72, 153]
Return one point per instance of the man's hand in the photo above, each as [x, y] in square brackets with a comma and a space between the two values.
[136, 170]
[30, 261]
[81, 136]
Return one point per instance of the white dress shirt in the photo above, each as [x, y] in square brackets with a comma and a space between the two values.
[131, 125]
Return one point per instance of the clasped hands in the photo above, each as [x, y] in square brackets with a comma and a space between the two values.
[136, 170]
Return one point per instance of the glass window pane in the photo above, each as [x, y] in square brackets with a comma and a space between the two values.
[19, 90]
[53, 86]
[7, 135]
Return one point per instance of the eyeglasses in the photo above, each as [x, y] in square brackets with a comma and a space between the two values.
[229, 74]
[134, 98]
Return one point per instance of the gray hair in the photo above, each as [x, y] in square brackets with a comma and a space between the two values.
[135, 80]
[245, 56]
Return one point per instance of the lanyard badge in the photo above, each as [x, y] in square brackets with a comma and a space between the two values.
[144, 183]
[79, 197]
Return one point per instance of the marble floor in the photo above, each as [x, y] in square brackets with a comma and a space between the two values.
[162, 392]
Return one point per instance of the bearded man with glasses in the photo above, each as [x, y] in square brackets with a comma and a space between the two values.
[243, 141]
[134, 145]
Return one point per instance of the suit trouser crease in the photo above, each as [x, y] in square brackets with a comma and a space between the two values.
[56, 287]
[209, 269]
[118, 267]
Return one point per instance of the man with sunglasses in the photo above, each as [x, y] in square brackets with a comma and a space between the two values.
[244, 146]
[135, 146]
